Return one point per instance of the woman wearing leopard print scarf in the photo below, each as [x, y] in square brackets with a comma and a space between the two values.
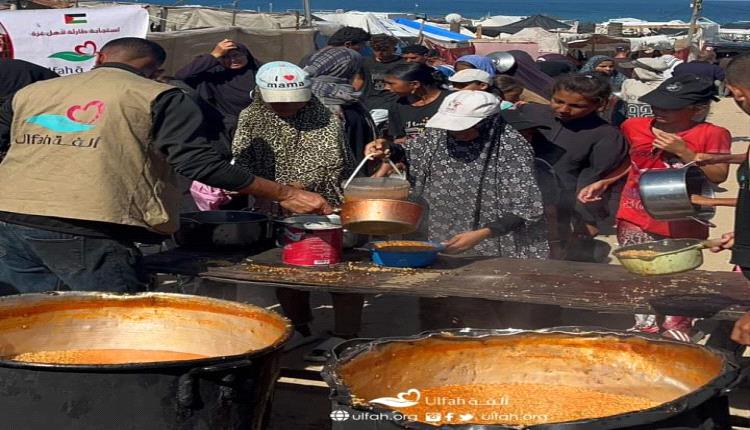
[288, 136]
[293, 142]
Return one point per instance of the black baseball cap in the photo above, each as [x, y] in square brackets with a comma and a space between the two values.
[681, 91]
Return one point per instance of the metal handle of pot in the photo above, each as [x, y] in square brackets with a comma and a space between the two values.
[702, 221]
[363, 162]
[188, 392]
[744, 374]
[338, 349]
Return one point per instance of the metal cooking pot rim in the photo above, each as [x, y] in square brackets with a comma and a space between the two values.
[341, 394]
[105, 368]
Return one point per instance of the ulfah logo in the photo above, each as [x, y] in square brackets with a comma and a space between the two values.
[75, 18]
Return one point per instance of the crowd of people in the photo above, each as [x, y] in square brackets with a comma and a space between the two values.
[511, 156]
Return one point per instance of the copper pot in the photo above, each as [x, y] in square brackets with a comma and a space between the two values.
[381, 217]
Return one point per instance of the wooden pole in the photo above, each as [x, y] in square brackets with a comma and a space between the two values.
[163, 13]
[308, 13]
[697, 6]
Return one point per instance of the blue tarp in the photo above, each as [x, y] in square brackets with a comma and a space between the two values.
[431, 29]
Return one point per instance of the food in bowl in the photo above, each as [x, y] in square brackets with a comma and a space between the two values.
[404, 246]
[635, 253]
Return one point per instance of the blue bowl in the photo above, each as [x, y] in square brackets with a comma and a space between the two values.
[382, 257]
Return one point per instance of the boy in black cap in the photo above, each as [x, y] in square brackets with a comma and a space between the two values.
[671, 139]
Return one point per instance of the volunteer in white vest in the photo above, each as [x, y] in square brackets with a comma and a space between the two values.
[92, 167]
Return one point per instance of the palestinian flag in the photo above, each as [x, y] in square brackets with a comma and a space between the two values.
[75, 18]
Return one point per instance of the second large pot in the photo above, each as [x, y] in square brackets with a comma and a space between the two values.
[369, 378]
[666, 193]
[223, 229]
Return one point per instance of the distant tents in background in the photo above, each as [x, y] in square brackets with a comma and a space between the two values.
[536, 21]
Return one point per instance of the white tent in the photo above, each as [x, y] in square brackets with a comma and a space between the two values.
[549, 43]
[374, 24]
[499, 21]
[367, 21]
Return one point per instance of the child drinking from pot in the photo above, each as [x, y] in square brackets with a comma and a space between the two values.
[671, 139]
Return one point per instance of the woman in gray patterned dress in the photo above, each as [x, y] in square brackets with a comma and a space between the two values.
[475, 175]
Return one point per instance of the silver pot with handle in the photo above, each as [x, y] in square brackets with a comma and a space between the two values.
[665, 194]
[223, 229]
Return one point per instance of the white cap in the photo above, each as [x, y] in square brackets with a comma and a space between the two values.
[282, 82]
[463, 110]
[471, 75]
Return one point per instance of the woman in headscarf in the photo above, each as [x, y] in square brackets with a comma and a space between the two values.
[648, 74]
[332, 70]
[224, 78]
[606, 66]
[468, 146]
[672, 63]
[527, 71]
[290, 136]
[475, 62]
[498, 212]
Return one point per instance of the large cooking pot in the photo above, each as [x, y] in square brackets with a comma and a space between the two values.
[223, 229]
[687, 381]
[666, 194]
[229, 388]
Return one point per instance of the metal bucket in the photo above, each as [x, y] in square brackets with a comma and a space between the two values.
[230, 388]
[687, 381]
[665, 194]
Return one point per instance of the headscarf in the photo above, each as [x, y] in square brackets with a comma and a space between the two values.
[495, 174]
[673, 62]
[331, 71]
[527, 71]
[16, 74]
[227, 90]
[479, 62]
[307, 149]
[616, 78]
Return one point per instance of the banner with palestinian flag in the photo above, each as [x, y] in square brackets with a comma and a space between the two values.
[67, 40]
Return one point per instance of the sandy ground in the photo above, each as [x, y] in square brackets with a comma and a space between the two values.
[304, 404]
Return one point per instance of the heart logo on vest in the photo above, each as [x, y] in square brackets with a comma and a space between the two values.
[289, 77]
[87, 114]
[87, 48]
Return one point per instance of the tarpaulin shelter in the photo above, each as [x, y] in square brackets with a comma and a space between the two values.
[431, 31]
[536, 21]
[548, 42]
[597, 43]
[266, 45]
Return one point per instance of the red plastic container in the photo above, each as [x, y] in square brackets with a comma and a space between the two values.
[311, 241]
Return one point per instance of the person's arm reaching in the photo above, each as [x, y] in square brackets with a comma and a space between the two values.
[592, 193]
[607, 156]
[190, 73]
[704, 159]
[177, 132]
